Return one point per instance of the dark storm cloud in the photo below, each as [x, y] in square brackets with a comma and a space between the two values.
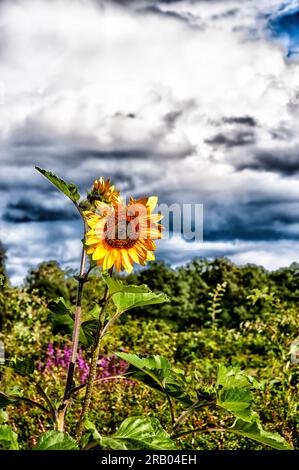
[237, 138]
[243, 120]
[255, 220]
[284, 161]
[25, 210]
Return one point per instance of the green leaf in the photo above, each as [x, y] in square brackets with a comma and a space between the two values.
[5, 400]
[91, 428]
[62, 320]
[55, 440]
[156, 372]
[255, 431]
[233, 392]
[8, 438]
[69, 189]
[24, 367]
[126, 297]
[88, 332]
[138, 433]
[61, 317]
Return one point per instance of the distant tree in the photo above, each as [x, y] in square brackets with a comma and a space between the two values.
[3, 273]
[49, 280]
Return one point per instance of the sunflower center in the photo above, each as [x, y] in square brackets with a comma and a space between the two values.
[120, 235]
[125, 244]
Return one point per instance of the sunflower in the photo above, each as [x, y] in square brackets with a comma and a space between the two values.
[123, 235]
[102, 191]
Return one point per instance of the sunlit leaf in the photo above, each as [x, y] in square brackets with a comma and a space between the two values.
[234, 392]
[69, 189]
[8, 438]
[255, 431]
[137, 433]
[126, 297]
[55, 440]
[156, 372]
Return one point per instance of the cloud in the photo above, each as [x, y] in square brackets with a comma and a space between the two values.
[189, 100]
[283, 26]
[283, 160]
[25, 210]
[234, 139]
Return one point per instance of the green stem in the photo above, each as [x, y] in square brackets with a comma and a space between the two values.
[185, 414]
[75, 340]
[30, 402]
[101, 379]
[170, 406]
[47, 400]
[100, 333]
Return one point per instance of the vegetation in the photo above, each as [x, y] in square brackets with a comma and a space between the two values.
[173, 344]
[259, 342]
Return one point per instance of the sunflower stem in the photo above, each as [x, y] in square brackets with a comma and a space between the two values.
[81, 279]
[100, 333]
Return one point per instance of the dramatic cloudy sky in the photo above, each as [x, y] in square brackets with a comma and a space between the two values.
[194, 100]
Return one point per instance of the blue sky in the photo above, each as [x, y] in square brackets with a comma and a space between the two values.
[195, 101]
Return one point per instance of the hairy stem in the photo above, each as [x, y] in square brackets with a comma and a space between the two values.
[101, 379]
[100, 333]
[171, 407]
[75, 340]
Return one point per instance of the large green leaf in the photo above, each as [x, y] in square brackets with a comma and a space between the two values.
[255, 431]
[137, 433]
[8, 438]
[233, 392]
[55, 440]
[156, 372]
[126, 297]
[69, 189]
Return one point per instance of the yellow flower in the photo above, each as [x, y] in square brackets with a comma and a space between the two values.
[102, 191]
[123, 235]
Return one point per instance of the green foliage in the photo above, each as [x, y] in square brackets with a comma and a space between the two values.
[233, 392]
[69, 189]
[62, 320]
[8, 438]
[126, 297]
[260, 341]
[54, 440]
[49, 281]
[155, 371]
[192, 288]
[24, 367]
[5, 400]
[254, 430]
[137, 433]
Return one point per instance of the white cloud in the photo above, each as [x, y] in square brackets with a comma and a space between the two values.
[85, 81]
